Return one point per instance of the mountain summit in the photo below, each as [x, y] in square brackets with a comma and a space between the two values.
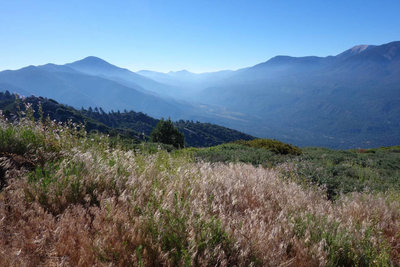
[94, 65]
[355, 50]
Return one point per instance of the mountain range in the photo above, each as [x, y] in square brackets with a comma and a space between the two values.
[344, 101]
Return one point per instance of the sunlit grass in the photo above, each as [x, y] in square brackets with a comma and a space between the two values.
[87, 204]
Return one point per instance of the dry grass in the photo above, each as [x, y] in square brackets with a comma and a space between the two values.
[96, 206]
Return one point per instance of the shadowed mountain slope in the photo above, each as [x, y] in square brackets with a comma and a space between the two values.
[129, 124]
[347, 100]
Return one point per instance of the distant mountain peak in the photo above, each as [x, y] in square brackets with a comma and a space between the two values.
[91, 60]
[359, 48]
[93, 65]
[355, 50]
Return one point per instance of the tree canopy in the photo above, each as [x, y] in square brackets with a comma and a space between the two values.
[166, 133]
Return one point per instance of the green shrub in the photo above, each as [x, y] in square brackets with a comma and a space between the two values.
[166, 133]
[340, 245]
[152, 148]
[275, 146]
[58, 185]
[239, 153]
[347, 171]
[19, 140]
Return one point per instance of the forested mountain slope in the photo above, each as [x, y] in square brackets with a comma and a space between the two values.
[128, 124]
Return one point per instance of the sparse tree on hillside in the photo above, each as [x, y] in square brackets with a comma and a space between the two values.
[166, 133]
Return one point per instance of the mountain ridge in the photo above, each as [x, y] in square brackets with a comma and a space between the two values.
[343, 101]
[312, 97]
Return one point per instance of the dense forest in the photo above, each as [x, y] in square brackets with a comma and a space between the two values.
[126, 124]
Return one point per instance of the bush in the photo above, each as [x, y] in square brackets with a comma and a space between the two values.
[19, 140]
[239, 153]
[348, 171]
[275, 146]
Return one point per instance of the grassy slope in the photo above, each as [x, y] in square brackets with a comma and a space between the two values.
[70, 199]
[340, 171]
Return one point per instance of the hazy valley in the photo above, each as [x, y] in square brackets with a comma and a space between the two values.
[344, 101]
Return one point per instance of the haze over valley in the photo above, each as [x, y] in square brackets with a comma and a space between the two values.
[345, 101]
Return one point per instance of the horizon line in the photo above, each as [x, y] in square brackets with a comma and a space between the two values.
[186, 69]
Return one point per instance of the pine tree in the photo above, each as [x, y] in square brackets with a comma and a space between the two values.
[166, 133]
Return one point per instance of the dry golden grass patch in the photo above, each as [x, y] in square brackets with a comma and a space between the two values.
[114, 207]
[94, 206]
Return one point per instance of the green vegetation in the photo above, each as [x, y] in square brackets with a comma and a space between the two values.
[340, 171]
[199, 134]
[166, 133]
[238, 153]
[344, 171]
[72, 198]
[128, 127]
[264, 152]
[273, 145]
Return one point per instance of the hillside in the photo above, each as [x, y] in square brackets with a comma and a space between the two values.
[343, 101]
[128, 124]
[70, 199]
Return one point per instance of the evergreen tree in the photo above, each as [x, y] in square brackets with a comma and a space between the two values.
[166, 133]
[7, 94]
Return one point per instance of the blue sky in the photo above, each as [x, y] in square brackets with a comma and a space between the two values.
[197, 35]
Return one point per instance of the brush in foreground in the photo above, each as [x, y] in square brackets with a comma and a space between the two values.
[89, 205]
